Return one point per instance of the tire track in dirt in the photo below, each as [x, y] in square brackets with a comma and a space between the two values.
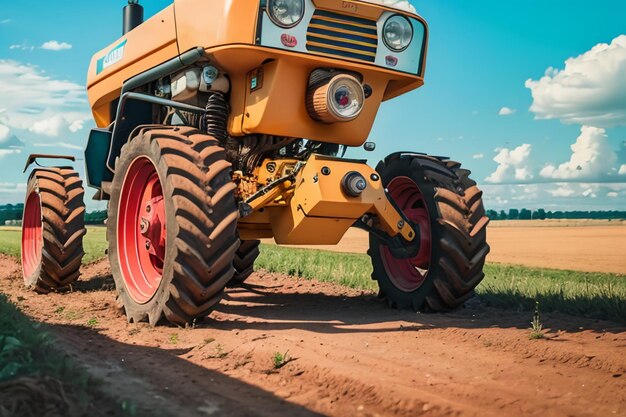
[351, 355]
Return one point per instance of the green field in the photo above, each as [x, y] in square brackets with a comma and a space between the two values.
[588, 294]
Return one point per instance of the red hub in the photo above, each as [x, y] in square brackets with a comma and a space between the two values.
[32, 235]
[141, 230]
[409, 274]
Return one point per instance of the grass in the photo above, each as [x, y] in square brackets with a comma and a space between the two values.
[28, 350]
[94, 242]
[280, 359]
[536, 328]
[588, 294]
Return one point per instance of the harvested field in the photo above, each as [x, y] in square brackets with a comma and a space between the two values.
[346, 354]
[580, 245]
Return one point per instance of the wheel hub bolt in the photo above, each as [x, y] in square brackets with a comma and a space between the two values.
[148, 208]
[147, 245]
[400, 224]
[144, 226]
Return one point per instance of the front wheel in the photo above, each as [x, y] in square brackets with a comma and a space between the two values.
[172, 225]
[439, 198]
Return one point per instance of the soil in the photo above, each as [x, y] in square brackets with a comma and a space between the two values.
[579, 245]
[347, 354]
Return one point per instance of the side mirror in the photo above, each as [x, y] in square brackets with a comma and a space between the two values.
[369, 146]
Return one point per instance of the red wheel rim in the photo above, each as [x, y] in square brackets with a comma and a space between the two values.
[409, 274]
[141, 230]
[32, 235]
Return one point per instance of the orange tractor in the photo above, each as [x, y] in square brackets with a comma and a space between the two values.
[223, 122]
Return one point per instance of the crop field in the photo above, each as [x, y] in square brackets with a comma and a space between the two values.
[304, 334]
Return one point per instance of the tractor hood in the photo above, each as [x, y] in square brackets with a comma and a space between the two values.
[403, 5]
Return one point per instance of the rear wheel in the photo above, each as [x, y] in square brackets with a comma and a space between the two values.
[53, 227]
[172, 225]
[244, 261]
[439, 197]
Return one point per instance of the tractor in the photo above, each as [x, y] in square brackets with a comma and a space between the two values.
[223, 122]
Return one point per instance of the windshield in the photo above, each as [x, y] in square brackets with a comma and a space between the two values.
[395, 4]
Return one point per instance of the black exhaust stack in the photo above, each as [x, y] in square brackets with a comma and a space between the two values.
[133, 16]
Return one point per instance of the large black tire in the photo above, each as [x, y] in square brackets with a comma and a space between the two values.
[244, 261]
[200, 216]
[458, 235]
[53, 227]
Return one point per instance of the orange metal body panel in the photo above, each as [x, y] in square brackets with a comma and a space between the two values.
[151, 44]
[319, 213]
[226, 29]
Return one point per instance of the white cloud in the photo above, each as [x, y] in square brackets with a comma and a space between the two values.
[38, 102]
[506, 111]
[5, 21]
[564, 190]
[513, 165]
[4, 132]
[622, 170]
[22, 47]
[58, 145]
[12, 151]
[556, 196]
[56, 46]
[592, 159]
[590, 90]
[77, 125]
[7, 187]
[478, 155]
[49, 127]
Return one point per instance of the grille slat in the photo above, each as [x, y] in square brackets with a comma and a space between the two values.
[342, 35]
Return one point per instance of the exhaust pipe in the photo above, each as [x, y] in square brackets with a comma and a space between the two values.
[133, 16]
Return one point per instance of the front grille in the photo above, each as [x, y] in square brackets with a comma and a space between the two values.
[342, 35]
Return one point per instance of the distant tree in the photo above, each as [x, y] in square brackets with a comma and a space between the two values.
[539, 214]
[502, 215]
[492, 214]
[96, 217]
[513, 214]
[525, 214]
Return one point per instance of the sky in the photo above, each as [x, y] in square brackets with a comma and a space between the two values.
[529, 95]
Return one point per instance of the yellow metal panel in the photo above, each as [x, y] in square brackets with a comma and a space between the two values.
[211, 23]
[147, 46]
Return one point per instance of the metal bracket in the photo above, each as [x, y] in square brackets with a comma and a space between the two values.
[398, 246]
[33, 158]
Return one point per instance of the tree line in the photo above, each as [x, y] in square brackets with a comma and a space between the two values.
[542, 214]
[14, 212]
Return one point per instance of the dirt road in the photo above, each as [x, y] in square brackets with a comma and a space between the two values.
[349, 355]
[592, 246]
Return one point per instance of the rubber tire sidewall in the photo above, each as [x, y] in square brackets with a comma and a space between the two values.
[141, 147]
[411, 168]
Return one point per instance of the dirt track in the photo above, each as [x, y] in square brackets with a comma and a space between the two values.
[352, 356]
[593, 246]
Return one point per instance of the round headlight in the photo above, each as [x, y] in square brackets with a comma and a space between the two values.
[286, 13]
[397, 33]
[338, 100]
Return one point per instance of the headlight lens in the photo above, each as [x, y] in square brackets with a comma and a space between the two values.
[397, 33]
[340, 99]
[286, 13]
[345, 97]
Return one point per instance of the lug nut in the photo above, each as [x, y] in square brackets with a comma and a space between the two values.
[144, 226]
[147, 245]
[148, 208]
[400, 224]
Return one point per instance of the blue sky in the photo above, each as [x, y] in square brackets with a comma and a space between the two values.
[477, 105]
